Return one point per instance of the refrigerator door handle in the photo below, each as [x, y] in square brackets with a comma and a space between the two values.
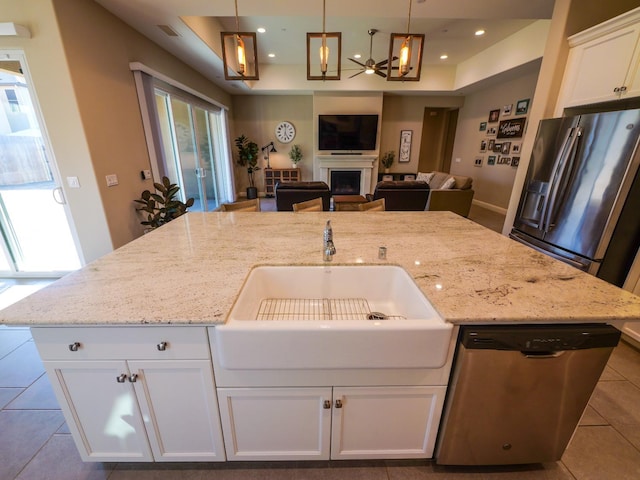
[569, 261]
[563, 163]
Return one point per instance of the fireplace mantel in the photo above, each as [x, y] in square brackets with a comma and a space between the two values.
[323, 164]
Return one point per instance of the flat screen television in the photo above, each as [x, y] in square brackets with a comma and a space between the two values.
[347, 132]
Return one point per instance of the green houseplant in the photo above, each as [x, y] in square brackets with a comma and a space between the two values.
[387, 159]
[248, 157]
[295, 154]
[162, 206]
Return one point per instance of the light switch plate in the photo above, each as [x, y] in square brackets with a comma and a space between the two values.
[73, 182]
[112, 180]
[146, 174]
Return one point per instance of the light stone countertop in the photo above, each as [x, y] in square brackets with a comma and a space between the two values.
[190, 271]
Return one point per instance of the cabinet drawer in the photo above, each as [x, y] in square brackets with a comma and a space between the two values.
[112, 343]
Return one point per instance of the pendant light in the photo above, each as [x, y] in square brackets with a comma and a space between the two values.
[239, 53]
[407, 49]
[328, 45]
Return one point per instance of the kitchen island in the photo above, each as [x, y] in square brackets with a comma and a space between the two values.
[133, 337]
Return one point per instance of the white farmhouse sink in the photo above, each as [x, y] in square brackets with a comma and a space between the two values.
[320, 317]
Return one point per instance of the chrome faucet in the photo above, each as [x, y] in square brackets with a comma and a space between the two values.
[329, 249]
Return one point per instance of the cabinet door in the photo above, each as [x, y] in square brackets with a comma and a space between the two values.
[101, 412]
[385, 422]
[180, 410]
[597, 68]
[276, 423]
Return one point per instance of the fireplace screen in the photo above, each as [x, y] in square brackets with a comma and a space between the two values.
[345, 182]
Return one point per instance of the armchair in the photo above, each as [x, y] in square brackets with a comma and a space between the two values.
[402, 195]
[288, 193]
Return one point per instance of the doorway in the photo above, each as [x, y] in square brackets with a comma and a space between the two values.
[36, 235]
[438, 135]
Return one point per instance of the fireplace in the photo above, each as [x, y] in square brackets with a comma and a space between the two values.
[324, 166]
[345, 182]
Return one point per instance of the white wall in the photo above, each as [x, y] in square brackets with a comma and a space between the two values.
[492, 184]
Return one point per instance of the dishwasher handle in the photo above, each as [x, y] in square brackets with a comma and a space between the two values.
[534, 355]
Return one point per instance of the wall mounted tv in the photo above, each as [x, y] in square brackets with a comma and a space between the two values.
[347, 132]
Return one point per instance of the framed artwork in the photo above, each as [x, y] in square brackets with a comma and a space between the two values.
[522, 106]
[483, 146]
[513, 128]
[515, 161]
[515, 148]
[483, 126]
[494, 115]
[491, 160]
[492, 144]
[405, 146]
[506, 147]
[506, 110]
[491, 131]
[478, 162]
[497, 147]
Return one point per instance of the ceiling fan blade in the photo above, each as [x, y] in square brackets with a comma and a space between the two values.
[356, 74]
[382, 63]
[380, 73]
[355, 61]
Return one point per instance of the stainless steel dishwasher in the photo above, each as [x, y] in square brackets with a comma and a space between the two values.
[517, 392]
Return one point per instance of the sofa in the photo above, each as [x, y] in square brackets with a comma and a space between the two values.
[402, 195]
[288, 193]
[453, 193]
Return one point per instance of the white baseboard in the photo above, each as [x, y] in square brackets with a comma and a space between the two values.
[489, 206]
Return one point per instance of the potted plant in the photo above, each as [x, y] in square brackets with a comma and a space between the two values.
[295, 154]
[387, 160]
[248, 157]
[162, 206]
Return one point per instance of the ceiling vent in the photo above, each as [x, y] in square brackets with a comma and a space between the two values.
[170, 32]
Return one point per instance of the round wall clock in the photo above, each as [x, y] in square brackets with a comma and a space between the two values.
[285, 132]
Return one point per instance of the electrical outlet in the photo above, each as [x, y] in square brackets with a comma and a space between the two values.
[73, 182]
[145, 174]
[112, 180]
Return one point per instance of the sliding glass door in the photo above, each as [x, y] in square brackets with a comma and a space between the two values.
[192, 143]
[36, 237]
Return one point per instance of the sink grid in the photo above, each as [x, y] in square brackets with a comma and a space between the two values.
[315, 309]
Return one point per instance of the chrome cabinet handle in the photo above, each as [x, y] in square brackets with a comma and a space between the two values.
[121, 378]
[162, 346]
[338, 403]
[133, 378]
[74, 346]
[326, 404]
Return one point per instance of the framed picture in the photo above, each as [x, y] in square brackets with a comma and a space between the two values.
[513, 128]
[506, 110]
[494, 115]
[515, 161]
[478, 162]
[405, 146]
[515, 148]
[522, 106]
[506, 147]
[483, 126]
[483, 146]
[497, 147]
[491, 160]
[491, 131]
[492, 144]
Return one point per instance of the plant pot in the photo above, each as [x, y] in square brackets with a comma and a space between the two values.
[386, 170]
[252, 192]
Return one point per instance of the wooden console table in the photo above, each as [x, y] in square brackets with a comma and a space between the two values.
[275, 175]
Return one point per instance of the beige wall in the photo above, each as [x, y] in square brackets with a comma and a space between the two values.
[492, 183]
[257, 116]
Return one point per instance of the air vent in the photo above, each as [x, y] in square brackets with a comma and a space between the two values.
[170, 32]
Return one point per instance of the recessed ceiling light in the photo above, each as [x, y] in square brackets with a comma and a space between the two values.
[357, 55]
[479, 32]
[271, 55]
[444, 56]
[261, 29]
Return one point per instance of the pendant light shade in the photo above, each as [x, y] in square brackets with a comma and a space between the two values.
[323, 53]
[239, 53]
[406, 48]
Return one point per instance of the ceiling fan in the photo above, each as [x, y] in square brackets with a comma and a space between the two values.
[370, 66]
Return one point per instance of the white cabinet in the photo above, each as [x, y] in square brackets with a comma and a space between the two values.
[603, 63]
[307, 423]
[135, 394]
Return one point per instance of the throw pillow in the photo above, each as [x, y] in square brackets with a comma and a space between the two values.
[425, 177]
[449, 183]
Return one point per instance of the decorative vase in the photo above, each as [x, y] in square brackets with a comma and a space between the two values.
[252, 192]
[386, 170]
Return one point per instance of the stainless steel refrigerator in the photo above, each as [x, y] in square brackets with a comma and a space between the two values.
[581, 195]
